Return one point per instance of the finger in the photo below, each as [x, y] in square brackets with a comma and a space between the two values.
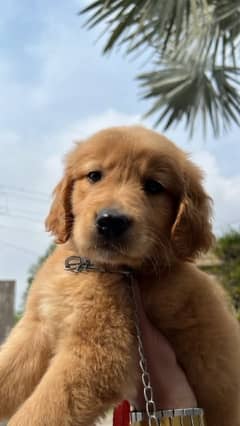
[155, 344]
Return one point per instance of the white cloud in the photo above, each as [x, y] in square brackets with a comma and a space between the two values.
[55, 88]
[225, 191]
[26, 237]
[78, 131]
[45, 173]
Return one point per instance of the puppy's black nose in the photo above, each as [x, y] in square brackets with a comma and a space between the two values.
[111, 223]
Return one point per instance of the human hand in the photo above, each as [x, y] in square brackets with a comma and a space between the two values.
[170, 385]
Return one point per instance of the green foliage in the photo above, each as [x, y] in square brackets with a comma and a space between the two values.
[32, 273]
[228, 271]
[193, 45]
[228, 250]
[228, 247]
[17, 316]
[33, 270]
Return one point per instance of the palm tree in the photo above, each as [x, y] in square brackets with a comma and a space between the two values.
[194, 55]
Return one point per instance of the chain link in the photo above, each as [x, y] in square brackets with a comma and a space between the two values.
[78, 264]
[146, 380]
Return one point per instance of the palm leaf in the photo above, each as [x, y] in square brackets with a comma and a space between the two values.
[195, 43]
[168, 18]
[185, 91]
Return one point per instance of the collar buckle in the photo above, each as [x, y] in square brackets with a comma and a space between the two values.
[78, 264]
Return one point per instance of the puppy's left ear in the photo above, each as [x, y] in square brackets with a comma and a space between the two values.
[192, 231]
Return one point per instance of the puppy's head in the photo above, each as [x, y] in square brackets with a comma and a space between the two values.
[130, 196]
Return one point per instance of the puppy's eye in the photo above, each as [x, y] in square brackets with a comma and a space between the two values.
[94, 176]
[152, 186]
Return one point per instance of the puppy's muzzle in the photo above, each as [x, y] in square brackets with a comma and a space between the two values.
[112, 224]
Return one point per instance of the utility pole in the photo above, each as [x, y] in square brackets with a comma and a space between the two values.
[7, 295]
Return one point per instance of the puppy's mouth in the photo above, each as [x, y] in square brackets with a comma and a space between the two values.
[110, 248]
[111, 252]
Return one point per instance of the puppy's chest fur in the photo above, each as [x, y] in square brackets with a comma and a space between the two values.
[188, 307]
[91, 306]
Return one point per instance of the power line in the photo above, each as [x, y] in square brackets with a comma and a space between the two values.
[20, 216]
[8, 198]
[22, 249]
[26, 211]
[26, 191]
[12, 206]
[26, 197]
[14, 228]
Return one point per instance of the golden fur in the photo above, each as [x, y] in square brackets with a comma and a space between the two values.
[73, 354]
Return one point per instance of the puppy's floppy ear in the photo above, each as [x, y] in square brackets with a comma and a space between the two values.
[60, 218]
[192, 231]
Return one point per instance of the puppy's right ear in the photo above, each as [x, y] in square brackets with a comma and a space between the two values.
[60, 219]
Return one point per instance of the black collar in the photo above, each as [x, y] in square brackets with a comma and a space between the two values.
[82, 264]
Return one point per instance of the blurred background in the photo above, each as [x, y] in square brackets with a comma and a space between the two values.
[57, 86]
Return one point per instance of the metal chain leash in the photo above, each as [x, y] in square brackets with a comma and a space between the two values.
[146, 380]
[78, 264]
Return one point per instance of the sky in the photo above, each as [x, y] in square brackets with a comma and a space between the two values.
[56, 87]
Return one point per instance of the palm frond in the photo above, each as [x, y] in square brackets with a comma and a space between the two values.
[187, 90]
[194, 45]
[131, 20]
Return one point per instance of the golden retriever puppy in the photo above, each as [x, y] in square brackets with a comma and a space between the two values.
[129, 198]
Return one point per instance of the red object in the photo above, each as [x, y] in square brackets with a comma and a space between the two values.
[121, 414]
